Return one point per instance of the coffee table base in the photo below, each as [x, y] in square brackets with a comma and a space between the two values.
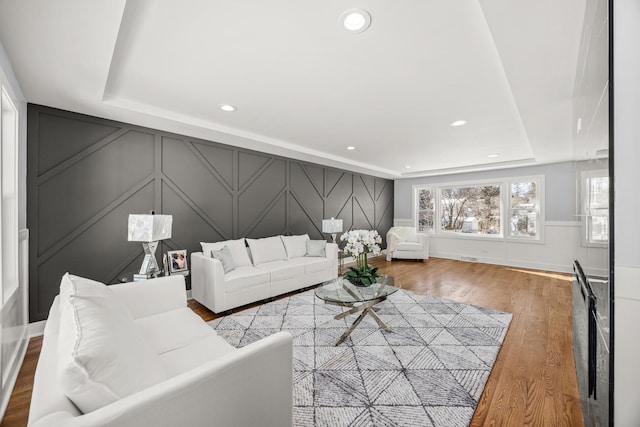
[365, 308]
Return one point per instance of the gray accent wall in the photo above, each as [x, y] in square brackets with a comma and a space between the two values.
[87, 174]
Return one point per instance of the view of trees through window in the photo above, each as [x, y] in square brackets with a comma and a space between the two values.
[482, 208]
[524, 208]
[470, 209]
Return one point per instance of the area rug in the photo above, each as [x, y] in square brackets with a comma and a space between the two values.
[430, 370]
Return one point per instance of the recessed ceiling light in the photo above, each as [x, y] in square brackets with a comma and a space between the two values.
[408, 167]
[493, 155]
[228, 107]
[351, 147]
[458, 123]
[356, 20]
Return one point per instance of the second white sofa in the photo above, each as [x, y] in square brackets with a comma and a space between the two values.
[265, 268]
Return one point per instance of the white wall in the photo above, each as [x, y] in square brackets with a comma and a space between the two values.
[626, 86]
[14, 312]
[562, 235]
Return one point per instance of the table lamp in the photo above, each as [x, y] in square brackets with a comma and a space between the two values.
[149, 229]
[332, 226]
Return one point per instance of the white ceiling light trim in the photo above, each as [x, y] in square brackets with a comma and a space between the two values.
[228, 108]
[458, 123]
[351, 147]
[355, 20]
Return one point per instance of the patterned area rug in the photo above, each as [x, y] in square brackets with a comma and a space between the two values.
[430, 370]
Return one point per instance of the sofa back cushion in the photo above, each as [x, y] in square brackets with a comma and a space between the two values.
[237, 247]
[296, 246]
[267, 249]
[102, 356]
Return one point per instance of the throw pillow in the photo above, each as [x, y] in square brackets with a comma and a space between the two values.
[102, 356]
[296, 246]
[225, 258]
[316, 248]
[237, 247]
[267, 249]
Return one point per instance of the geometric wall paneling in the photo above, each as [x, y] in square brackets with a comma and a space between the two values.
[199, 183]
[98, 179]
[219, 158]
[85, 175]
[339, 197]
[363, 203]
[78, 135]
[260, 191]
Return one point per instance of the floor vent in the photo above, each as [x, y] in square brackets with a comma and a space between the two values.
[469, 258]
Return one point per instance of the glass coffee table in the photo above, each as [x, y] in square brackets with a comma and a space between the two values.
[359, 298]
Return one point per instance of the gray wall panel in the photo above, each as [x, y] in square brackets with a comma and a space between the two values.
[86, 174]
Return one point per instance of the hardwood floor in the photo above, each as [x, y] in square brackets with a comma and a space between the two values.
[533, 382]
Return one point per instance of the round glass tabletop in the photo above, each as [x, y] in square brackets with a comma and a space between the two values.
[342, 291]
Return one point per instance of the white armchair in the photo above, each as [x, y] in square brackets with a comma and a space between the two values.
[406, 243]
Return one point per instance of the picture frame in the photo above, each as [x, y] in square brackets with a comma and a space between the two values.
[177, 261]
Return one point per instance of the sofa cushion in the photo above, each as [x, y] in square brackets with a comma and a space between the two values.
[237, 247]
[102, 356]
[173, 329]
[197, 353]
[316, 248]
[225, 257]
[284, 270]
[409, 246]
[312, 264]
[245, 277]
[267, 249]
[296, 246]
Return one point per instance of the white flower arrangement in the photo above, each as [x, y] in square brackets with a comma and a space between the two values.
[362, 242]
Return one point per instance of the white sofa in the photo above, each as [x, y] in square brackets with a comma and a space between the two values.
[266, 268]
[406, 243]
[200, 380]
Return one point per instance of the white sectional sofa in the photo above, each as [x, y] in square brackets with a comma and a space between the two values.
[266, 268]
[135, 355]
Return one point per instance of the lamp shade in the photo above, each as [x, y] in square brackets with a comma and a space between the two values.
[332, 225]
[149, 228]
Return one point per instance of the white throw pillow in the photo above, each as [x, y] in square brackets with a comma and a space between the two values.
[237, 247]
[267, 249]
[102, 356]
[296, 246]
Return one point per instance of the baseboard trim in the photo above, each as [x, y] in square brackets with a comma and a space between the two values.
[560, 268]
[36, 329]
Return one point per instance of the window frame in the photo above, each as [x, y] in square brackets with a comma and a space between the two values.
[585, 207]
[505, 208]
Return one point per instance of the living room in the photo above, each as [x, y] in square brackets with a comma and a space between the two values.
[122, 108]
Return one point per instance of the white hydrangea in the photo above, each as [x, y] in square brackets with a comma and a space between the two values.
[362, 242]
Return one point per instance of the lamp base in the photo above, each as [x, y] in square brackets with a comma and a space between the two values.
[333, 237]
[149, 265]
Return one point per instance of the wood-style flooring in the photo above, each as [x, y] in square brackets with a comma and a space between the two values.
[533, 382]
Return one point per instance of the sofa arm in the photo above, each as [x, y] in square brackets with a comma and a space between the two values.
[248, 387]
[207, 281]
[153, 296]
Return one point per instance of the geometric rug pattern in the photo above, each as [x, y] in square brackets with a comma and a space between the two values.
[430, 370]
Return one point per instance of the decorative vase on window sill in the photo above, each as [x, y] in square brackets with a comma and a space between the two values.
[359, 244]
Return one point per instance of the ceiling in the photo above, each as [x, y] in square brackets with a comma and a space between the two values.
[307, 88]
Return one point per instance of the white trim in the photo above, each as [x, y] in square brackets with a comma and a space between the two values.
[13, 377]
[563, 224]
[403, 222]
[36, 329]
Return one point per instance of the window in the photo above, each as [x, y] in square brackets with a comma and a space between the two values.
[426, 209]
[510, 209]
[524, 209]
[597, 206]
[9, 192]
[470, 209]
